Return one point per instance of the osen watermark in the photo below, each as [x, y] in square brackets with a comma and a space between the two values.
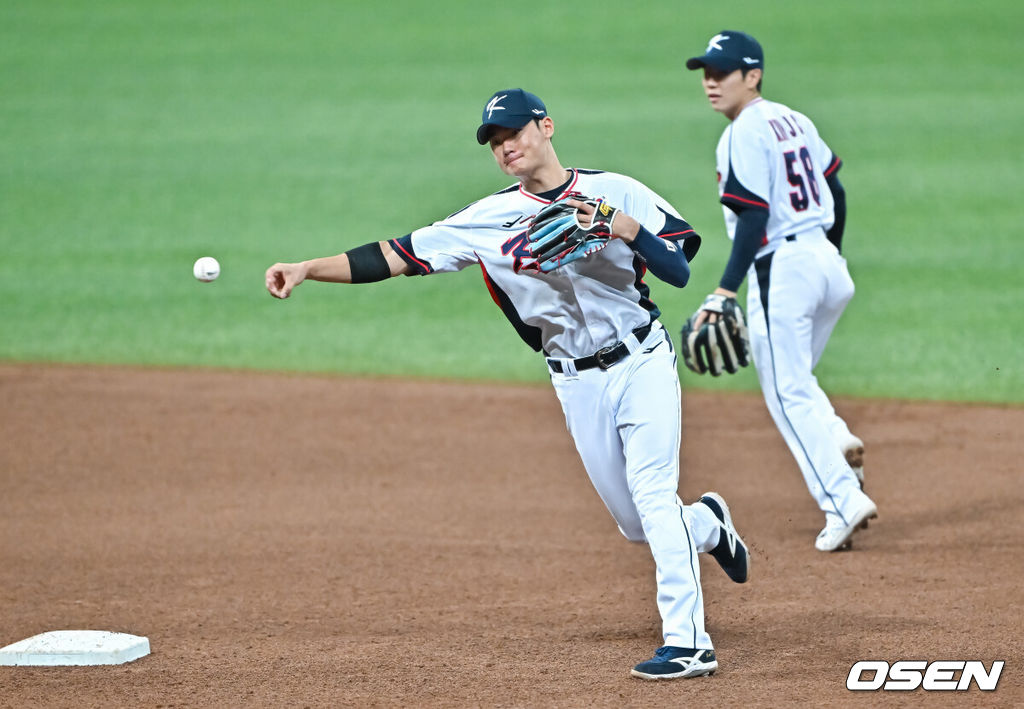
[938, 676]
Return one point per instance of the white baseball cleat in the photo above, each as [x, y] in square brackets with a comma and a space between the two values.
[836, 534]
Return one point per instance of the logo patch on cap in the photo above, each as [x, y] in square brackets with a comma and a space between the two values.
[714, 42]
[493, 106]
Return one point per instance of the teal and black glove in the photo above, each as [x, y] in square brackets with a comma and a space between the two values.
[557, 237]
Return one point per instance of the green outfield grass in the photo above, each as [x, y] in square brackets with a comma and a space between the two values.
[139, 136]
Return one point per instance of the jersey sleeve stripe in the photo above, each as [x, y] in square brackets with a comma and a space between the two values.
[403, 247]
[833, 166]
[752, 202]
[674, 226]
[679, 230]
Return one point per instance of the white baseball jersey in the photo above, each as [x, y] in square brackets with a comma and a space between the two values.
[625, 419]
[773, 155]
[575, 310]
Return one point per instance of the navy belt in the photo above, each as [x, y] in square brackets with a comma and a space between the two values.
[604, 357]
[812, 232]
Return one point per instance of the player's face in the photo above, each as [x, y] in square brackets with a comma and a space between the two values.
[520, 153]
[729, 92]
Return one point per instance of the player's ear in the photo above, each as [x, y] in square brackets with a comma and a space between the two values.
[547, 126]
[752, 78]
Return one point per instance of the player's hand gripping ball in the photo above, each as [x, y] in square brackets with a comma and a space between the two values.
[206, 269]
[723, 345]
[558, 238]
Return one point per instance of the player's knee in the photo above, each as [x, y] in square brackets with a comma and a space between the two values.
[654, 505]
[634, 533]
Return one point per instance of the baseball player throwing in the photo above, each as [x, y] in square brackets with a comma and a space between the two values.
[563, 253]
[785, 211]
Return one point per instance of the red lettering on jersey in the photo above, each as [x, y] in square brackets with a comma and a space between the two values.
[792, 130]
[519, 247]
[778, 129]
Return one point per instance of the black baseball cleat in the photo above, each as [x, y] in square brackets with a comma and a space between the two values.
[731, 553]
[670, 662]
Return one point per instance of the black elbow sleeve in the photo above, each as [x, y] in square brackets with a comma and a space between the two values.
[368, 264]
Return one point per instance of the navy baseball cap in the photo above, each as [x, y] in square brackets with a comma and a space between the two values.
[511, 108]
[728, 51]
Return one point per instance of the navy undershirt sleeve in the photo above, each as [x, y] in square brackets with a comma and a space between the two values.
[664, 258]
[750, 231]
[403, 247]
[835, 234]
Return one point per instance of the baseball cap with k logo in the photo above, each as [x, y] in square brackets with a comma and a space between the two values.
[511, 108]
[728, 51]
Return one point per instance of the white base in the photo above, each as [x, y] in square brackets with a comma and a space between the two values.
[75, 647]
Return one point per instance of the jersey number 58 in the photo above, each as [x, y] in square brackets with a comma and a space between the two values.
[798, 197]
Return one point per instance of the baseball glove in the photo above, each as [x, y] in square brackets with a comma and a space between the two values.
[557, 237]
[723, 345]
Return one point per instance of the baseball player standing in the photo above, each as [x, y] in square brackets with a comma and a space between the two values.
[563, 253]
[785, 211]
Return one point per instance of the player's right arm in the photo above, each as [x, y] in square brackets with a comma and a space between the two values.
[750, 229]
[446, 245]
[751, 225]
[369, 263]
[747, 184]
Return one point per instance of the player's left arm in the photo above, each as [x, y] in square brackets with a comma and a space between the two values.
[830, 163]
[835, 234]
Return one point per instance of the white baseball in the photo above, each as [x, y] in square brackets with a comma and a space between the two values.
[206, 269]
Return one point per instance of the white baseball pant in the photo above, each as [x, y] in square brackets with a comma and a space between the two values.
[626, 422]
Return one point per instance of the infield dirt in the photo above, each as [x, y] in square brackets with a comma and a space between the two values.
[321, 541]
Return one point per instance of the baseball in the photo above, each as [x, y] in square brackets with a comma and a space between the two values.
[206, 269]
